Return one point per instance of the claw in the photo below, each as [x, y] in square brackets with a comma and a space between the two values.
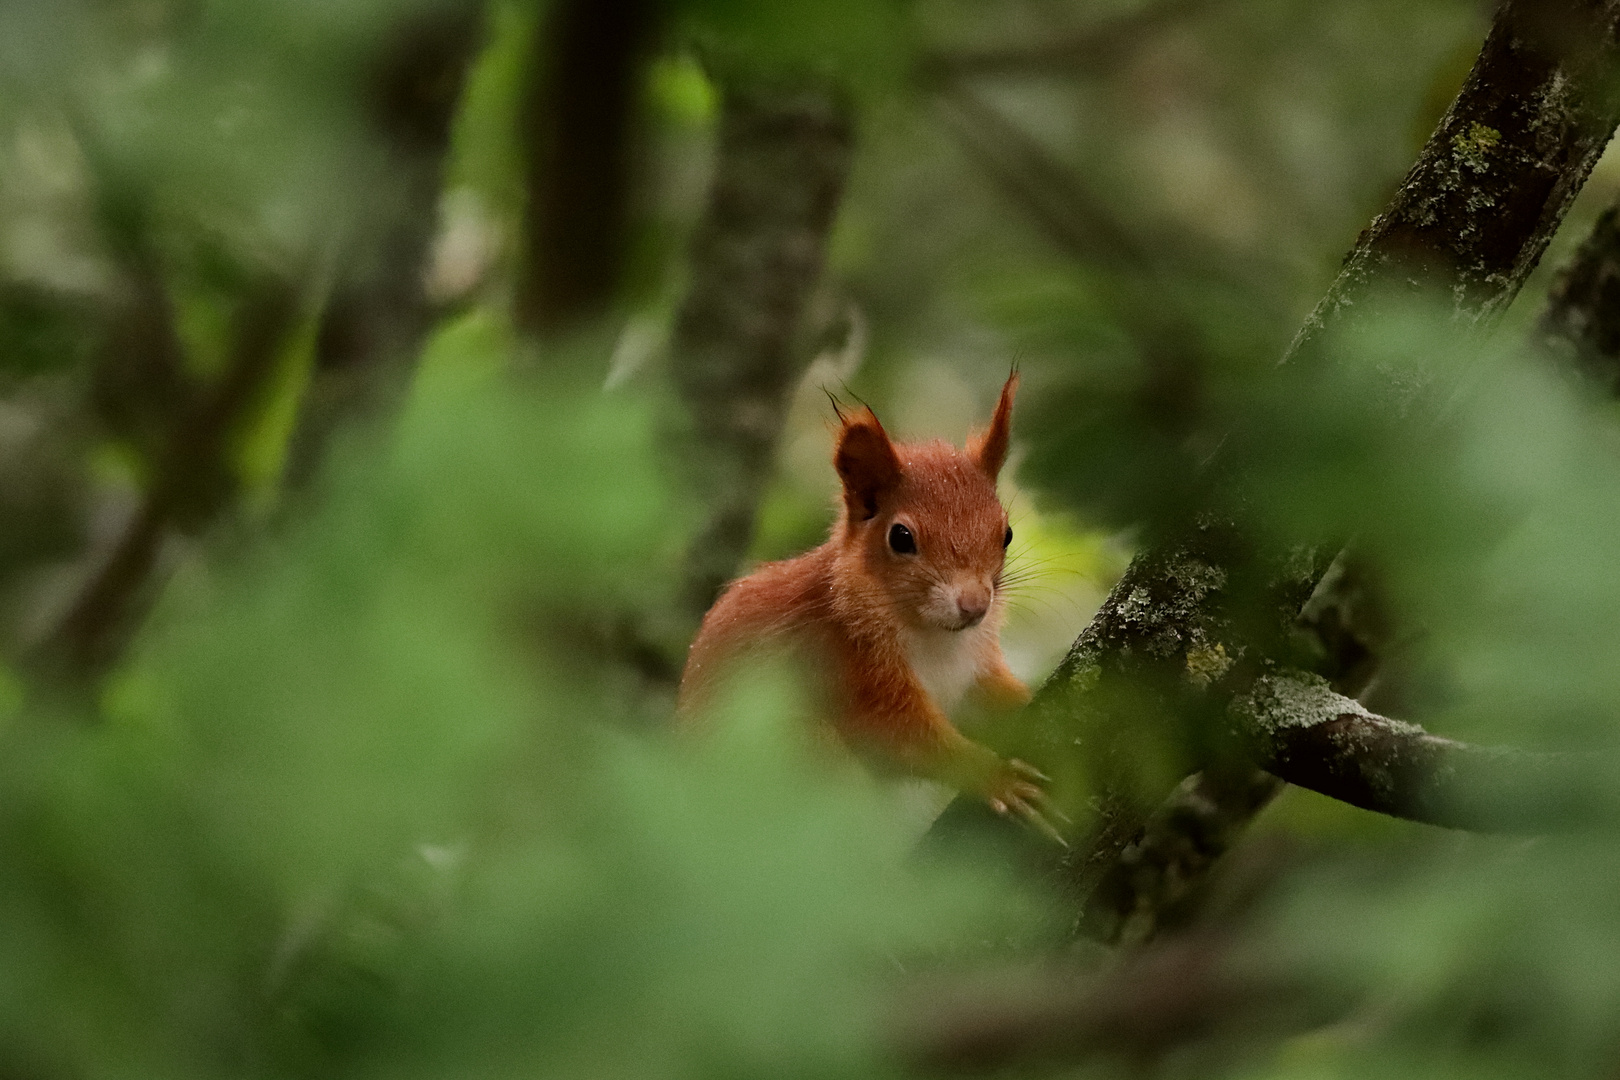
[1044, 802]
[1026, 769]
[1034, 817]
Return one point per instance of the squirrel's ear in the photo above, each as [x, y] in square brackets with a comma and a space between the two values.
[866, 463]
[989, 448]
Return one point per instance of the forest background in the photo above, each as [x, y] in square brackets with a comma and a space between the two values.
[386, 387]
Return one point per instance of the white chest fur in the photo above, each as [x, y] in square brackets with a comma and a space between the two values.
[946, 662]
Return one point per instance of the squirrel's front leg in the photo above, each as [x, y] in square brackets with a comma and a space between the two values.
[997, 687]
[914, 732]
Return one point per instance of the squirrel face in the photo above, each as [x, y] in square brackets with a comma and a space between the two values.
[922, 529]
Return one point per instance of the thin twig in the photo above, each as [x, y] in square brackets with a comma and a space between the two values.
[1083, 52]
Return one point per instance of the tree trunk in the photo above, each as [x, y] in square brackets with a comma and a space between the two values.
[738, 348]
[579, 120]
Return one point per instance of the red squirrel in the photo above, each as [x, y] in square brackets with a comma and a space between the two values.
[898, 614]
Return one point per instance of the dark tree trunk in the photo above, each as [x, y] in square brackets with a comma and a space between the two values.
[579, 120]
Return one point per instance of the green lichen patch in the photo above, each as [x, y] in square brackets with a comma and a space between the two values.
[1085, 678]
[1473, 147]
[1205, 664]
[1295, 700]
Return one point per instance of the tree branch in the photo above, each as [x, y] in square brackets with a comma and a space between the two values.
[1082, 52]
[186, 428]
[1492, 184]
[192, 482]
[1180, 844]
[1050, 193]
[1300, 730]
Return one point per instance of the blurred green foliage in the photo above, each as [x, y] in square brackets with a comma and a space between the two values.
[373, 792]
[358, 803]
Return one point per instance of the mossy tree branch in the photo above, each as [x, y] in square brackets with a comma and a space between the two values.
[1298, 728]
[1490, 187]
[1194, 622]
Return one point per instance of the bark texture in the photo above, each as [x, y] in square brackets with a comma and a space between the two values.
[1299, 729]
[1158, 876]
[1139, 695]
[738, 350]
[1490, 187]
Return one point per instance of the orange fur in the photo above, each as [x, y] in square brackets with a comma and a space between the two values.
[892, 638]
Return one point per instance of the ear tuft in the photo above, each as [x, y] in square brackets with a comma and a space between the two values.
[866, 463]
[988, 449]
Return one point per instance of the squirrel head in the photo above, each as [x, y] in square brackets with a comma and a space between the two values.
[921, 524]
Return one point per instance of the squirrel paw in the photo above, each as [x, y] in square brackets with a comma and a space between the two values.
[1017, 792]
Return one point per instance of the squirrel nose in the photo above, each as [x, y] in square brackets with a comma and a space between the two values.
[973, 602]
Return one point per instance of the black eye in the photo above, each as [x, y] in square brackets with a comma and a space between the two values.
[901, 542]
[1007, 539]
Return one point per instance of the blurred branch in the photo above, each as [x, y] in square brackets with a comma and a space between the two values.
[1180, 844]
[1152, 1001]
[1085, 51]
[579, 117]
[737, 352]
[379, 313]
[1582, 320]
[1050, 192]
[193, 480]
[186, 428]
[1471, 218]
